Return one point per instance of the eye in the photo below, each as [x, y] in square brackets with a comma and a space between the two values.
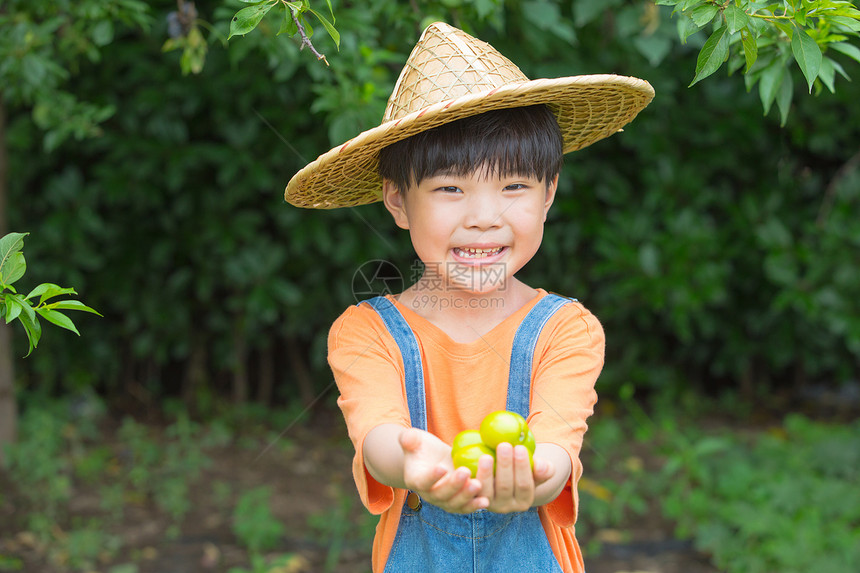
[449, 189]
[516, 187]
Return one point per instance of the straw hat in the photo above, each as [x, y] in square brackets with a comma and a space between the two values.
[451, 75]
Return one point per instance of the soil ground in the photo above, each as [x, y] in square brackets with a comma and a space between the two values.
[313, 496]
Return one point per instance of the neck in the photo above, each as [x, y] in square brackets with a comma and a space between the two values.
[465, 315]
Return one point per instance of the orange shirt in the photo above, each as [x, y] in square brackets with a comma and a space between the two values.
[463, 383]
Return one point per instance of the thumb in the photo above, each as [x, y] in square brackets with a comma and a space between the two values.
[410, 440]
[543, 470]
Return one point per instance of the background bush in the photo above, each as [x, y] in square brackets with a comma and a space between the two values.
[714, 246]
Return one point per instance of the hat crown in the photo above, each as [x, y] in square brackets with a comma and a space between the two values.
[448, 63]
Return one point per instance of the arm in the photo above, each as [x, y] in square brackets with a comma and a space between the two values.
[413, 459]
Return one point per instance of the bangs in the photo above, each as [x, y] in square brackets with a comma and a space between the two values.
[523, 141]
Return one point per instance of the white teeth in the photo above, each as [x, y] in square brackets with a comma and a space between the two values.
[471, 253]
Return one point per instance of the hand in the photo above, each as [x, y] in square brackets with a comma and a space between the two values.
[429, 472]
[513, 487]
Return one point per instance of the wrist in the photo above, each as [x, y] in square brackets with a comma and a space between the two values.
[560, 461]
[383, 456]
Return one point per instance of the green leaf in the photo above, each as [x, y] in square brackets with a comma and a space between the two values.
[771, 79]
[808, 55]
[309, 30]
[247, 19]
[750, 48]
[850, 23]
[689, 4]
[585, 12]
[757, 27]
[709, 446]
[102, 33]
[57, 318]
[686, 28]
[12, 262]
[48, 291]
[736, 18]
[653, 47]
[783, 98]
[800, 18]
[713, 54]
[13, 269]
[827, 74]
[25, 306]
[849, 50]
[13, 309]
[288, 25]
[33, 330]
[782, 27]
[171, 44]
[704, 14]
[840, 70]
[72, 305]
[335, 35]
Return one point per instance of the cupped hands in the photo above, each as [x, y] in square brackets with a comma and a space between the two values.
[429, 471]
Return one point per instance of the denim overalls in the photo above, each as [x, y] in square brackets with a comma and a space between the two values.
[430, 539]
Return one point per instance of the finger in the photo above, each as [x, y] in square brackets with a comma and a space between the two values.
[485, 475]
[450, 484]
[421, 478]
[524, 483]
[476, 503]
[471, 504]
[462, 500]
[503, 486]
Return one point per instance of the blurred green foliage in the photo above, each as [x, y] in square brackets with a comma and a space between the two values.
[779, 498]
[253, 522]
[782, 501]
[714, 246]
[44, 43]
[78, 478]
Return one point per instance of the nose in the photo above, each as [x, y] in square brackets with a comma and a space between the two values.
[484, 211]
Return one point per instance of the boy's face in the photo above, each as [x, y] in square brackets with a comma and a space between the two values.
[475, 231]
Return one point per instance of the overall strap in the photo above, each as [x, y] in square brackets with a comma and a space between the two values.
[413, 369]
[522, 352]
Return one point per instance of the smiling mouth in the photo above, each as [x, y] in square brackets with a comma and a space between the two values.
[470, 253]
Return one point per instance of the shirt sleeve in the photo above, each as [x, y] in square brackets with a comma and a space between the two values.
[569, 358]
[368, 371]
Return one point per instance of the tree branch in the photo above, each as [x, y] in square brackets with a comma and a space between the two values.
[305, 40]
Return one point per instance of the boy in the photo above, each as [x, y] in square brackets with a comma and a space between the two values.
[467, 160]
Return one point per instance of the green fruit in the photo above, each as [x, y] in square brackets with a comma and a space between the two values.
[529, 442]
[503, 426]
[468, 457]
[466, 438]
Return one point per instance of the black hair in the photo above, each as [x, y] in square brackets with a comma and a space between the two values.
[515, 141]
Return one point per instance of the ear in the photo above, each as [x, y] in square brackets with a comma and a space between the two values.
[551, 188]
[395, 202]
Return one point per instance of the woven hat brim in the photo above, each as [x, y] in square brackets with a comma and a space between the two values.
[588, 108]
